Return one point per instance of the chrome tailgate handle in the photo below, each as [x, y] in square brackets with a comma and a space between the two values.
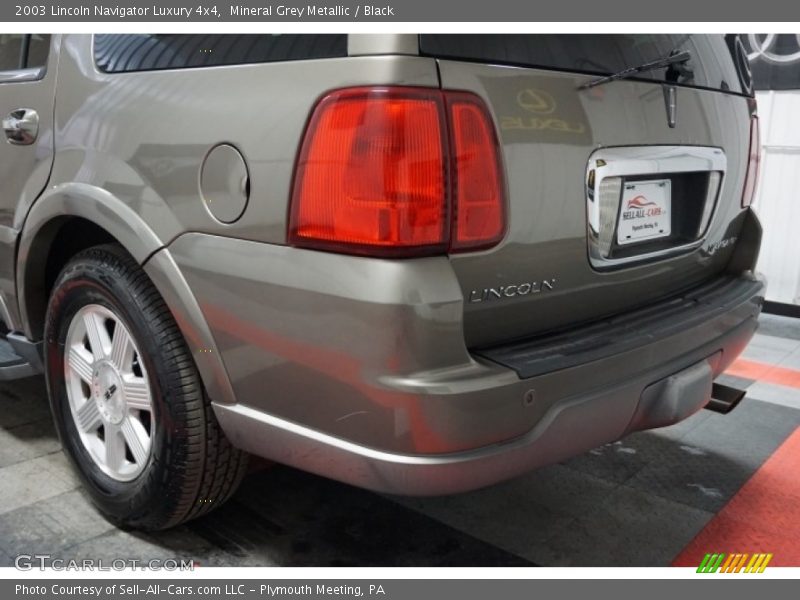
[21, 126]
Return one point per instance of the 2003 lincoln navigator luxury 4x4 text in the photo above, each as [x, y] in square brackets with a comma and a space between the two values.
[417, 264]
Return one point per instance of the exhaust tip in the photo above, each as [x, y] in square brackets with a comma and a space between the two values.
[724, 398]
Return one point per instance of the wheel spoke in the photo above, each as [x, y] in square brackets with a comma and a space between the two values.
[115, 448]
[88, 416]
[80, 366]
[136, 438]
[121, 354]
[96, 332]
[137, 396]
[116, 424]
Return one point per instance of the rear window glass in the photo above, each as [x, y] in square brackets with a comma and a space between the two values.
[149, 52]
[774, 60]
[711, 65]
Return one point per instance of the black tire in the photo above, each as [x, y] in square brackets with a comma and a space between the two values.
[191, 468]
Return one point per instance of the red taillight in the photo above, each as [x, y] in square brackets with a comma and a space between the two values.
[478, 194]
[382, 171]
[753, 164]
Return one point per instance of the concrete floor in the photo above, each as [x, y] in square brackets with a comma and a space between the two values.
[637, 502]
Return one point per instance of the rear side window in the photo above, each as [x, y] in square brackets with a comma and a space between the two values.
[149, 52]
[38, 49]
[11, 51]
[20, 51]
[711, 65]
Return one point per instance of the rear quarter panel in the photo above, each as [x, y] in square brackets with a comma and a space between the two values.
[142, 136]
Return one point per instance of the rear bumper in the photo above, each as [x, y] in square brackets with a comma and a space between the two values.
[349, 368]
[572, 426]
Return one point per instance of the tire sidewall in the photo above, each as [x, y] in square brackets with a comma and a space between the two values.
[93, 281]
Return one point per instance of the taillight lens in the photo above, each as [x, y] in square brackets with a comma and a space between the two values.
[753, 164]
[382, 171]
[478, 197]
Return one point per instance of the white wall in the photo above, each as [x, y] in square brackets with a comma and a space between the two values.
[778, 197]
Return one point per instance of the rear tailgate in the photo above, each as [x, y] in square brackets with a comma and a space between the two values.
[548, 272]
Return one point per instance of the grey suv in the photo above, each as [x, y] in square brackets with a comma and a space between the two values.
[417, 264]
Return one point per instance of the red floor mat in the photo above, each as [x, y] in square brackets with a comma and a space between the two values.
[764, 516]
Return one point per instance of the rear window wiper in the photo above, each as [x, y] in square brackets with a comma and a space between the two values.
[675, 57]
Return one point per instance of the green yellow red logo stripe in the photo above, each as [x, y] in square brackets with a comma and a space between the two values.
[734, 563]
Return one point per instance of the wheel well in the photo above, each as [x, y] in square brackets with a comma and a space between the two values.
[54, 245]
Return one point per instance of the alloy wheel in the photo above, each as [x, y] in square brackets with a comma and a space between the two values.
[109, 393]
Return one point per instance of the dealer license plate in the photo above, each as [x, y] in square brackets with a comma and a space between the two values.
[646, 212]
